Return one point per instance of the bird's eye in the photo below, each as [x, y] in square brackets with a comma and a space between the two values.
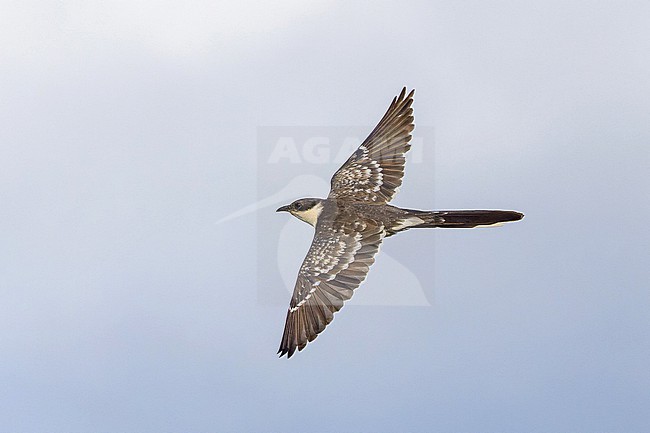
[297, 206]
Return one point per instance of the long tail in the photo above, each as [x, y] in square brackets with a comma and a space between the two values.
[466, 218]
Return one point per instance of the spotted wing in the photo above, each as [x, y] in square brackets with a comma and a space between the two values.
[374, 171]
[337, 262]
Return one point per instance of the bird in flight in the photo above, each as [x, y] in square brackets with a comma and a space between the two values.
[354, 219]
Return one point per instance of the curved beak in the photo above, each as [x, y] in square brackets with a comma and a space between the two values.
[283, 209]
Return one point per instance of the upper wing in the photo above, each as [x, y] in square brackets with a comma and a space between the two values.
[374, 172]
[337, 262]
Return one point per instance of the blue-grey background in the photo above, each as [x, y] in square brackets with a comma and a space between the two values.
[127, 129]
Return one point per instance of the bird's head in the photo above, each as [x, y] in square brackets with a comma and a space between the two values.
[305, 209]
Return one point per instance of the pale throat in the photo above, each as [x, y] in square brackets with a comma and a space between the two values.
[310, 216]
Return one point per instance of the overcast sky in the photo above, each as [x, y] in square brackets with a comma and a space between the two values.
[143, 281]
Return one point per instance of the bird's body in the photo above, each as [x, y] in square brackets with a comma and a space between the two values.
[395, 219]
[353, 220]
